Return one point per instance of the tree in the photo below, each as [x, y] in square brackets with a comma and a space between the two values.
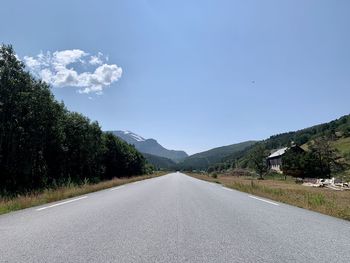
[83, 147]
[346, 132]
[323, 158]
[292, 164]
[257, 159]
[121, 159]
[28, 128]
[319, 162]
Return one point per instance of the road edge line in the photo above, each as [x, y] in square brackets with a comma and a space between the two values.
[61, 203]
[263, 200]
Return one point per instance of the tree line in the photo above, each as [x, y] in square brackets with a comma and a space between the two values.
[42, 144]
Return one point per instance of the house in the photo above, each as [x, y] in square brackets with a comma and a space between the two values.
[274, 160]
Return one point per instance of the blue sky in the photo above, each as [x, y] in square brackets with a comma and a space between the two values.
[196, 74]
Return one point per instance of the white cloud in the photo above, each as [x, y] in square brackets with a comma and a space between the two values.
[67, 57]
[97, 60]
[57, 70]
[31, 62]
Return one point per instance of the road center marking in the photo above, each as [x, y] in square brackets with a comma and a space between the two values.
[263, 200]
[116, 188]
[62, 203]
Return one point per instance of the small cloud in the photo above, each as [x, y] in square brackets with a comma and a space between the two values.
[66, 57]
[57, 69]
[97, 60]
[103, 76]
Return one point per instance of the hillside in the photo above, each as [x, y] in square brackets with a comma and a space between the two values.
[150, 146]
[159, 163]
[336, 131]
[203, 160]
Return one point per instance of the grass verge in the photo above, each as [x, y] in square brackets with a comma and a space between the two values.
[323, 200]
[72, 190]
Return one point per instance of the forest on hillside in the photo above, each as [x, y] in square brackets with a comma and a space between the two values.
[333, 136]
[44, 145]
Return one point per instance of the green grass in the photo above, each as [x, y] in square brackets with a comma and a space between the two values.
[343, 145]
[70, 190]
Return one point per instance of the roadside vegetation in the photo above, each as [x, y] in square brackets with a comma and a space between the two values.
[69, 190]
[276, 187]
[325, 156]
[45, 146]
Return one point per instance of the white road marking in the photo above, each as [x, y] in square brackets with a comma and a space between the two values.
[116, 188]
[263, 200]
[228, 189]
[62, 203]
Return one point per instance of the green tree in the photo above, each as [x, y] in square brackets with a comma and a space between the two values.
[83, 148]
[293, 164]
[257, 159]
[28, 128]
[323, 159]
[346, 132]
[121, 159]
[320, 161]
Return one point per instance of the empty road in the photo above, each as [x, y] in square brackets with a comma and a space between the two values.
[173, 218]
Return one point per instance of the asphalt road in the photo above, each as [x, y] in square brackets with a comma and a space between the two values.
[173, 218]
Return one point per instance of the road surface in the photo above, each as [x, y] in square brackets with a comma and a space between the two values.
[173, 218]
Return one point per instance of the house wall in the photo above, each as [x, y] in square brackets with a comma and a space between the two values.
[275, 164]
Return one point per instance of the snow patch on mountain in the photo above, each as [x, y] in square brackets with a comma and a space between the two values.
[150, 146]
[135, 136]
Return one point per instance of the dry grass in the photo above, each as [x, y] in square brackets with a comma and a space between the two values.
[323, 200]
[51, 195]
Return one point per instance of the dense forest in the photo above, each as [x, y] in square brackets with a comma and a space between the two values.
[42, 144]
[160, 163]
[202, 160]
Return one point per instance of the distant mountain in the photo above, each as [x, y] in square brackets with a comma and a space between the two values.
[150, 146]
[160, 162]
[129, 137]
[203, 160]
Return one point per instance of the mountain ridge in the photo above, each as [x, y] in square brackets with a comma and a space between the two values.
[150, 146]
[203, 160]
[160, 163]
